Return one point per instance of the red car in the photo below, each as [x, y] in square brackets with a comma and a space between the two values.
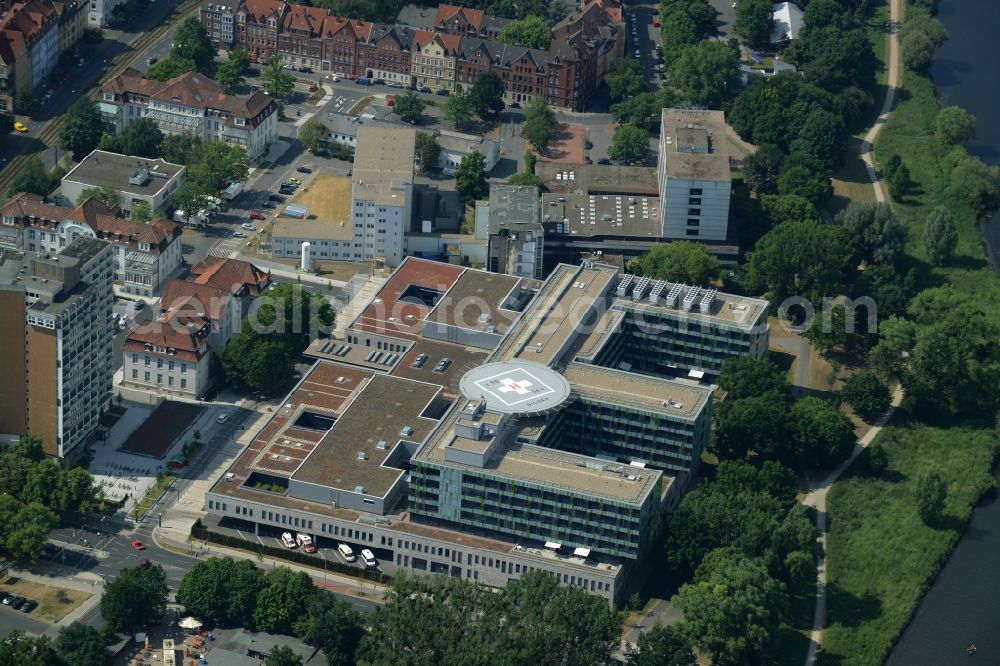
[389, 100]
[137, 544]
[312, 87]
[257, 215]
[656, 23]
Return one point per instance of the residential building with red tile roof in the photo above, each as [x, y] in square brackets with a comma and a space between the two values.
[29, 47]
[433, 59]
[191, 104]
[145, 254]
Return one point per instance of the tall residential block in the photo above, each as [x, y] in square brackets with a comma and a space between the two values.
[55, 343]
[382, 193]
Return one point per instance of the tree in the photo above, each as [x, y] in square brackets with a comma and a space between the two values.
[192, 41]
[20, 649]
[976, 185]
[679, 261]
[230, 73]
[109, 195]
[529, 162]
[755, 425]
[897, 338]
[732, 605]
[754, 21]
[32, 178]
[81, 129]
[40, 483]
[707, 73]
[408, 107]
[141, 212]
[190, 198]
[644, 109]
[899, 182]
[530, 32]
[866, 394]
[955, 125]
[624, 79]
[940, 236]
[930, 493]
[629, 144]
[780, 208]
[822, 137]
[276, 81]
[822, 434]
[221, 165]
[221, 591]
[526, 179]
[487, 95]
[332, 626]
[539, 120]
[812, 186]
[662, 646]
[470, 177]
[917, 50]
[26, 103]
[170, 67]
[182, 149]
[459, 109]
[135, 598]
[428, 152]
[761, 169]
[283, 600]
[30, 529]
[314, 134]
[745, 377]
[80, 644]
[74, 491]
[143, 138]
[877, 235]
[282, 655]
[892, 163]
[804, 258]
[256, 363]
[121, 14]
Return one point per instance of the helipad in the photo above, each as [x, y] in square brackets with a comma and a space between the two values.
[516, 387]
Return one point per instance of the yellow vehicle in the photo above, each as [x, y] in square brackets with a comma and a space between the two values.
[20, 127]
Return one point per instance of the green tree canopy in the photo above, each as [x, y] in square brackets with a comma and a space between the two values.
[32, 178]
[539, 120]
[333, 626]
[25, 102]
[230, 73]
[822, 434]
[644, 109]
[732, 606]
[975, 185]
[221, 591]
[866, 394]
[919, 37]
[314, 134]
[662, 646]
[940, 236]
[779, 208]
[754, 426]
[822, 137]
[184, 149]
[459, 109]
[143, 138]
[629, 144]
[801, 258]
[761, 169]
[283, 656]
[487, 95]
[428, 152]
[79, 644]
[955, 125]
[679, 261]
[530, 32]
[408, 107]
[170, 67]
[930, 494]
[754, 21]
[28, 530]
[221, 164]
[283, 601]
[896, 341]
[875, 232]
[624, 79]
[470, 177]
[275, 79]
[135, 598]
[526, 179]
[81, 129]
[708, 73]
[192, 41]
[21, 649]
[813, 186]
[745, 377]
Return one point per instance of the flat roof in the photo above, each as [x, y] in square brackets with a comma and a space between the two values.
[694, 142]
[656, 394]
[608, 322]
[311, 229]
[604, 214]
[474, 294]
[598, 178]
[383, 164]
[389, 315]
[518, 387]
[379, 411]
[513, 205]
[548, 467]
[104, 168]
[566, 314]
[740, 311]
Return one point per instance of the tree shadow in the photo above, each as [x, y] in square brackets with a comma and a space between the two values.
[849, 609]
[965, 262]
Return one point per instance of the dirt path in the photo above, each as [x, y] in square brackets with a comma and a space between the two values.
[816, 497]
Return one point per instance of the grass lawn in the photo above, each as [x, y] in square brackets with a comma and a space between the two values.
[54, 603]
[153, 494]
[880, 556]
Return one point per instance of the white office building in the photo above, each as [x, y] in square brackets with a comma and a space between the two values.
[382, 194]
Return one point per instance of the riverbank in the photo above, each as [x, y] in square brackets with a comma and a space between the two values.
[881, 558]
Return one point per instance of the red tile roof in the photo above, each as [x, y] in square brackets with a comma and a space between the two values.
[448, 13]
[231, 275]
[189, 340]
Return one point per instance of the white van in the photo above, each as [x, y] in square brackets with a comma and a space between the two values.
[346, 552]
[369, 558]
[287, 540]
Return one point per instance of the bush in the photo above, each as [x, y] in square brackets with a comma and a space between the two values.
[876, 460]
[867, 395]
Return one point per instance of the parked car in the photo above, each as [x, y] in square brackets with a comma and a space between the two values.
[515, 105]
[368, 557]
[394, 84]
[17, 603]
[389, 100]
[419, 361]
[293, 181]
[346, 552]
[144, 562]
[137, 545]
[257, 215]
[442, 365]
[587, 160]
[222, 418]
[588, 144]
[247, 226]
[444, 92]
[287, 540]
[28, 606]
[276, 197]
[7, 597]
[150, 61]
[239, 234]
[426, 89]
[312, 87]
[20, 127]
[268, 204]
[378, 82]
[656, 23]
[604, 160]
[306, 70]
[304, 169]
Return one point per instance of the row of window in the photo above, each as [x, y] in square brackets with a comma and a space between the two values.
[159, 378]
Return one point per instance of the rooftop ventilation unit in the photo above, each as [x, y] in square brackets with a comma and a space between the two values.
[382, 444]
[406, 431]
[624, 284]
[673, 295]
[341, 379]
[691, 297]
[640, 288]
[362, 455]
[139, 178]
[658, 287]
[706, 301]
[359, 490]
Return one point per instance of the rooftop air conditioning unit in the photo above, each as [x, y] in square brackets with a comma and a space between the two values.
[362, 455]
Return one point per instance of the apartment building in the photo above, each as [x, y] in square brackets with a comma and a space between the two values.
[441, 49]
[191, 104]
[172, 354]
[218, 17]
[55, 343]
[138, 179]
[482, 425]
[382, 193]
[29, 47]
[100, 12]
[693, 170]
[72, 22]
[145, 255]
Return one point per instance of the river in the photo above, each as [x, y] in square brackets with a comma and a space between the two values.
[963, 606]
